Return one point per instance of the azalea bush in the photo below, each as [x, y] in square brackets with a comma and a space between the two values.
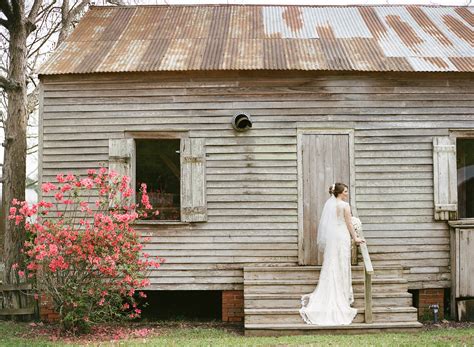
[82, 250]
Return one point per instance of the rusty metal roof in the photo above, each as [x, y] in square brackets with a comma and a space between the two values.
[238, 37]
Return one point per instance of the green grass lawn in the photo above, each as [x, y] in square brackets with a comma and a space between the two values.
[183, 334]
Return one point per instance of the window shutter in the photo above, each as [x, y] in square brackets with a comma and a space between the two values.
[193, 180]
[445, 178]
[121, 158]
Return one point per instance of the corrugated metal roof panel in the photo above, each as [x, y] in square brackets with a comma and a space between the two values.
[230, 37]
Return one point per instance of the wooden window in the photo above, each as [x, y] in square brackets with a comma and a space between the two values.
[465, 176]
[172, 166]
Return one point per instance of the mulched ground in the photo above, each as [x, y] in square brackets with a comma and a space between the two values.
[116, 332]
[111, 333]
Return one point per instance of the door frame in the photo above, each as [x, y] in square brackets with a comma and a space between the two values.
[312, 131]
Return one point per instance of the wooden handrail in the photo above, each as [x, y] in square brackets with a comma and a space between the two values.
[368, 272]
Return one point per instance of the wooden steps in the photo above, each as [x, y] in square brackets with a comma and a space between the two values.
[294, 300]
[292, 316]
[307, 286]
[273, 298]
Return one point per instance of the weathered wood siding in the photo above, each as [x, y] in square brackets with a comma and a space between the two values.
[252, 176]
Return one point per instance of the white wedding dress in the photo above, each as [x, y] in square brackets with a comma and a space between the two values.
[329, 303]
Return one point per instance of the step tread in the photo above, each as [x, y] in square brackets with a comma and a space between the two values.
[296, 311]
[310, 281]
[313, 268]
[296, 296]
[303, 326]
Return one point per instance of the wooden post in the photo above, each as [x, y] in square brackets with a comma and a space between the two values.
[368, 272]
[368, 297]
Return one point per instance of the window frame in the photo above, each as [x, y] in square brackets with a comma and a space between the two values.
[155, 135]
[462, 134]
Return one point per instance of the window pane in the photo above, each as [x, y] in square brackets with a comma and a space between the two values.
[158, 165]
[465, 165]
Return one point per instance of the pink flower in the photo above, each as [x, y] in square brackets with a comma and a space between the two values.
[47, 187]
[21, 273]
[66, 187]
[87, 183]
[45, 204]
[18, 220]
[53, 249]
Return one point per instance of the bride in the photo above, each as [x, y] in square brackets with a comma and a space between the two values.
[330, 302]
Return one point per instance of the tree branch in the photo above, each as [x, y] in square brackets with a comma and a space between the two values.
[8, 84]
[6, 9]
[77, 10]
[17, 9]
[117, 2]
[44, 39]
[32, 16]
[4, 23]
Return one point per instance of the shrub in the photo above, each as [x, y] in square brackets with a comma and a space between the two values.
[82, 250]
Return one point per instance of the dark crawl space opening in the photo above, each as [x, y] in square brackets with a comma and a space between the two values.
[183, 305]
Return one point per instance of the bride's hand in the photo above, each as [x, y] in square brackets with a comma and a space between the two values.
[359, 240]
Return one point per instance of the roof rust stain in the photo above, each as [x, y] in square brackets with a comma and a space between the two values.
[404, 31]
[440, 63]
[465, 14]
[399, 64]
[118, 24]
[367, 52]
[458, 28]
[292, 16]
[334, 50]
[373, 22]
[428, 25]
[223, 37]
[463, 63]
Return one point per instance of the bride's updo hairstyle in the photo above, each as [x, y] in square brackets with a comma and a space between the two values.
[337, 189]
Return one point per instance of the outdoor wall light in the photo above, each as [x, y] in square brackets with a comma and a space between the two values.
[241, 121]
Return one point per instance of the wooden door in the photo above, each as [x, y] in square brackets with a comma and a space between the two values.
[323, 160]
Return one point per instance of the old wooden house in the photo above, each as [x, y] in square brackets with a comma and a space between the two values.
[240, 117]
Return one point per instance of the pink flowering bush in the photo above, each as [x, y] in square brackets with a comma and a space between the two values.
[82, 250]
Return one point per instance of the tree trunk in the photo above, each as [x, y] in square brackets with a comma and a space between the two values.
[14, 167]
